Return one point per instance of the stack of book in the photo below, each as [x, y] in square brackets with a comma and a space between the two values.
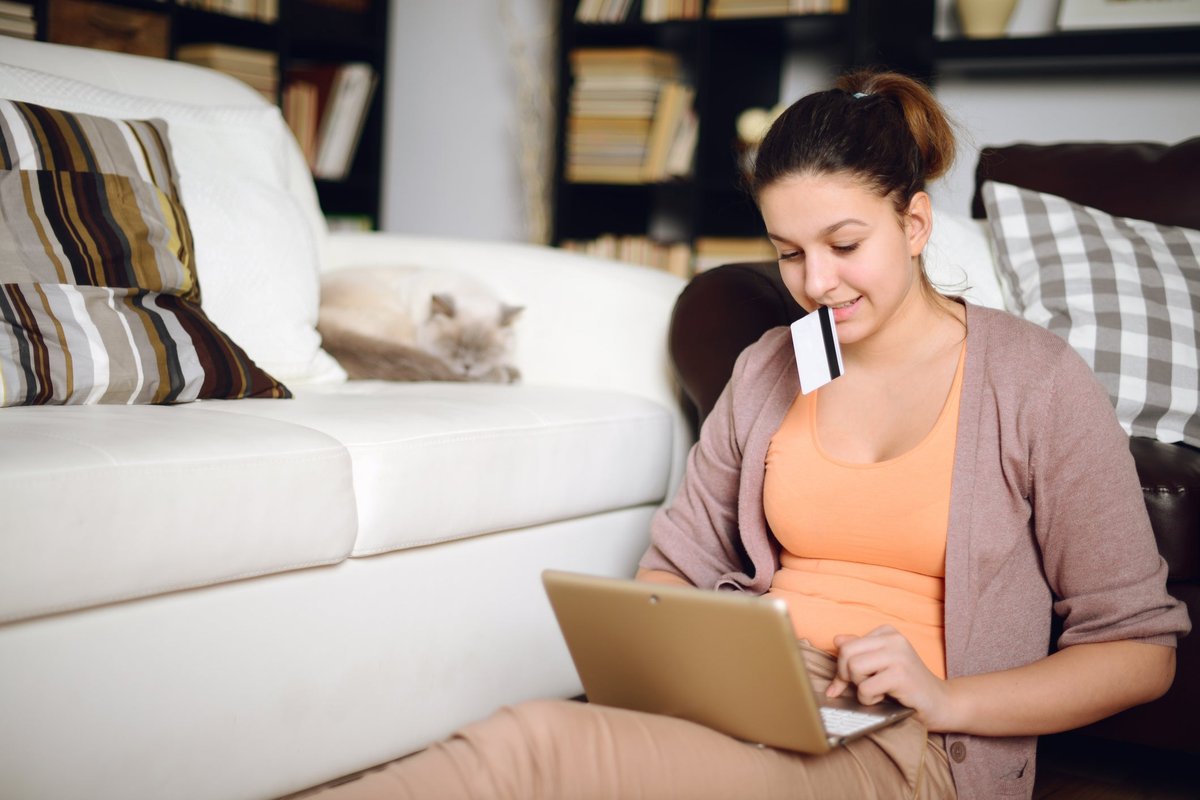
[713, 251]
[663, 10]
[674, 257]
[630, 118]
[652, 10]
[262, 10]
[257, 68]
[326, 106]
[602, 10]
[16, 19]
[729, 9]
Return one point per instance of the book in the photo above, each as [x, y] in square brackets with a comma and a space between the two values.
[226, 56]
[243, 9]
[325, 105]
[18, 28]
[11, 8]
[683, 148]
[673, 103]
[301, 111]
[602, 10]
[17, 20]
[673, 257]
[342, 120]
[733, 9]
[663, 10]
[625, 108]
[257, 68]
[713, 251]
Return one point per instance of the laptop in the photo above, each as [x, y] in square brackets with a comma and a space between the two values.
[725, 660]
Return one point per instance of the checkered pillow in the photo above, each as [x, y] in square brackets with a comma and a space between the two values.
[1124, 293]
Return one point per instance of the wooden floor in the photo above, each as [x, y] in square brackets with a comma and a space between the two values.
[1079, 768]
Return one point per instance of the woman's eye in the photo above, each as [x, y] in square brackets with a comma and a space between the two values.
[845, 248]
[791, 256]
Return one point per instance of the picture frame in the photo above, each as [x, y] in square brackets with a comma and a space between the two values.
[1112, 14]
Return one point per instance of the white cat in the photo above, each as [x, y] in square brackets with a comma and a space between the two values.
[416, 323]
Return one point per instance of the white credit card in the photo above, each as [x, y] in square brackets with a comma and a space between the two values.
[818, 354]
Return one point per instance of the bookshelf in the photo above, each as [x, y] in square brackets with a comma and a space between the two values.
[261, 42]
[730, 62]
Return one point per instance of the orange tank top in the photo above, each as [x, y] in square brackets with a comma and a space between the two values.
[863, 545]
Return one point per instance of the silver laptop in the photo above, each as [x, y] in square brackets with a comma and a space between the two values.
[724, 660]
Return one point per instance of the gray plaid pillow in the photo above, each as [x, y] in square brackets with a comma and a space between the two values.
[1124, 293]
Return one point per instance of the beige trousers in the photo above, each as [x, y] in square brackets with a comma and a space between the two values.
[560, 749]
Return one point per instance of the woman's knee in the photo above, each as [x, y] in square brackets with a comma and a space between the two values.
[544, 725]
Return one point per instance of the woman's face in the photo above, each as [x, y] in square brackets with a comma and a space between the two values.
[843, 246]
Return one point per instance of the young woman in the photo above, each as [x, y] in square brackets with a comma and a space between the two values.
[923, 515]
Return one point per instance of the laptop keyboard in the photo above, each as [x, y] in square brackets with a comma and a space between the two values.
[841, 722]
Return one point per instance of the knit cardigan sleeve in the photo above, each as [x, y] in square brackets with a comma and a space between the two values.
[713, 533]
[1098, 550]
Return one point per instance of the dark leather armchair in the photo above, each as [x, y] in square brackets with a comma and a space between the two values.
[724, 310]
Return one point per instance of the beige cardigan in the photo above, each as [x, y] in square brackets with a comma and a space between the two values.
[1045, 504]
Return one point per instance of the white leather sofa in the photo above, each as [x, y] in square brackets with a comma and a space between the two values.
[241, 599]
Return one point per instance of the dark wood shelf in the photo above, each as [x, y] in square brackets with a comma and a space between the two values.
[197, 25]
[1074, 51]
[327, 33]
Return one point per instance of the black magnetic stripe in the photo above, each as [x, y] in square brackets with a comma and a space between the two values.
[827, 338]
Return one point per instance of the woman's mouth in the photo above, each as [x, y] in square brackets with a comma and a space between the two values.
[843, 311]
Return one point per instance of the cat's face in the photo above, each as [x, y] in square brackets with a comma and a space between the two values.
[475, 343]
[472, 348]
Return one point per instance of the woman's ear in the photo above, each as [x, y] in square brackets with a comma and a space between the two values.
[918, 223]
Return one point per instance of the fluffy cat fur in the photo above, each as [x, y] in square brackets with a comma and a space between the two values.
[416, 324]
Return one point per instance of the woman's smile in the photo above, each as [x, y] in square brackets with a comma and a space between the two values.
[844, 311]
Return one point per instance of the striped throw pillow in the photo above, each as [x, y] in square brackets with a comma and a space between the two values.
[99, 294]
[1124, 293]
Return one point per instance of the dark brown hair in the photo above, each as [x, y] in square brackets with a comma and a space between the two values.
[885, 129]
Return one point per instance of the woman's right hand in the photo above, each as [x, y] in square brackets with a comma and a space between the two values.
[884, 664]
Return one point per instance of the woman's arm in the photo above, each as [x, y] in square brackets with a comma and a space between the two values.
[1069, 688]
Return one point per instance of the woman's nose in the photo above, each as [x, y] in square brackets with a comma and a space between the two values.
[820, 277]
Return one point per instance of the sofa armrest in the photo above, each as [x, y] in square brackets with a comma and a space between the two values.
[1170, 475]
[587, 323]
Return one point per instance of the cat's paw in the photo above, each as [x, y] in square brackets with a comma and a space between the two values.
[503, 373]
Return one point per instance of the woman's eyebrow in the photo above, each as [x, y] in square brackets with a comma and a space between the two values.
[835, 227]
[826, 231]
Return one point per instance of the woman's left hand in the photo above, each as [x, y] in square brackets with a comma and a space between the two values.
[883, 663]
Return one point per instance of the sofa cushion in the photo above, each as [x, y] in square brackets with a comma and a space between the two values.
[462, 460]
[108, 503]
[98, 290]
[256, 224]
[1124, 293]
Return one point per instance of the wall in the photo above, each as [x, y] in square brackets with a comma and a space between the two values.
[1112, 108]
[451, 161]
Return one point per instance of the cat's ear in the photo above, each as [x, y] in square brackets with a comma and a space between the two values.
[509, 314]
[443, 304]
